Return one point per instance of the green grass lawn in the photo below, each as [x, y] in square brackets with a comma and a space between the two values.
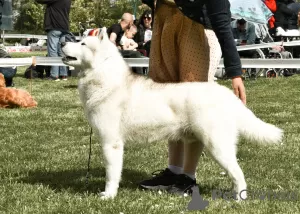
[44, 154]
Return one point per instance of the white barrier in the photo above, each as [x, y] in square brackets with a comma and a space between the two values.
[10, 62]
[24, 49]
[239, 48]
[144, 62]
[268, 45]
[244, 47]
[24, 36]
[28, 36]
[268, 63]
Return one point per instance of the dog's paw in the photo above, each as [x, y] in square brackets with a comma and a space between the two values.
[107, 195]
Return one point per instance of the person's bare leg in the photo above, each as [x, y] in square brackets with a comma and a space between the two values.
[176, 151]
[186, 180]
[192, 152]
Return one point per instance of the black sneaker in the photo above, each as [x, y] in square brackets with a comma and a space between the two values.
[161, 180]
[183, 185]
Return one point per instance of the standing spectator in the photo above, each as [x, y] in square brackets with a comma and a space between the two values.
[144, 33]
[56, 24]
[116, 31]
[184, 50]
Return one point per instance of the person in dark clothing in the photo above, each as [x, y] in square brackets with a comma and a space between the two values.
[8, 72]
[56, 24]
[185, 47]
[293, 20]
[244, 31]
[283, 14]
[144, 32]
[116, 31]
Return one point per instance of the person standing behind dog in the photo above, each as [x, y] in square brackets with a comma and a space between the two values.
[56, 24]
[116, 31]
[183, 50]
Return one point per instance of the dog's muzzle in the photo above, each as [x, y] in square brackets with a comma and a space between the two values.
[68, 58]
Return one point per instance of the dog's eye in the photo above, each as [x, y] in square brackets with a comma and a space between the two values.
[82, 43]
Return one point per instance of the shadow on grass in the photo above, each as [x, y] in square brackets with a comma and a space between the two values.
[71, 86]
[20, 75]
[75, 180]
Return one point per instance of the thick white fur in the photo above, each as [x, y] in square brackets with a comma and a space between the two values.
[123, 107]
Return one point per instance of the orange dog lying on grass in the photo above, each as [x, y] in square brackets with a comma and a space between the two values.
[13, 98]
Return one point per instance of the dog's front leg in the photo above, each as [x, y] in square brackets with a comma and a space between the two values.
[113, 153]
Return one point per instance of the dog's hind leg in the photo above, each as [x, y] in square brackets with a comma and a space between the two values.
[113, 153]
[222, 147]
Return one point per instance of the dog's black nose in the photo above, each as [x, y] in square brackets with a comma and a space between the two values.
[63, 44]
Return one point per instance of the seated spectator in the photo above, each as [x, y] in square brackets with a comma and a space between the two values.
[8, 72]
[293, 21]
[286, 20]
[243, 31]
[127, 41]
[116, 31]
[144, 33]
[283, 14]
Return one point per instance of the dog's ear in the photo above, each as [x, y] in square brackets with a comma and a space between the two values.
[103, 34]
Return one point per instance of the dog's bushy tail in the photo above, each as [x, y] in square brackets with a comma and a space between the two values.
[257, 130]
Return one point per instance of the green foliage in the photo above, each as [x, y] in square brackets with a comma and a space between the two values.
[81, 11]
[30, 16]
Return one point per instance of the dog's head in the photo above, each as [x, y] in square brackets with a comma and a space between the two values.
[2, 81]
[90, 52]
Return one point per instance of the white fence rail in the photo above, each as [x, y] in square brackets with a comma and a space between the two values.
[27, 36]
[144, 62]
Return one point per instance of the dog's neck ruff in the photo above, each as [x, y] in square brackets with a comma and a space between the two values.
[82, 72]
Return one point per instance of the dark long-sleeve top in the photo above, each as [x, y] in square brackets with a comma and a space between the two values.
[139, 36]
[282, 14]
[219, 17]
[57, 14]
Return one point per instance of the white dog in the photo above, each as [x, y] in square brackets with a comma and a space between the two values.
[122, 107]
